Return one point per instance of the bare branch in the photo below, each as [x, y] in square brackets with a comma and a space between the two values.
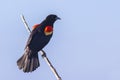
[50, 65]
[43, 54]
[25, 23]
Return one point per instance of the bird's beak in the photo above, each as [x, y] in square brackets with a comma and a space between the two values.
[57, 18]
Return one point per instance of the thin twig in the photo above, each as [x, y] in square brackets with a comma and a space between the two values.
[50, 65]
[25, 23]
[43, 54]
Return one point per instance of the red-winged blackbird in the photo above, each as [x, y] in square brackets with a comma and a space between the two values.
[39, 37]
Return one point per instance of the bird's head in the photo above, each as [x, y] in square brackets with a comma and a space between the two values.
[52, 18]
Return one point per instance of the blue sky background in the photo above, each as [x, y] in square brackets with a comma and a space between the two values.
[85, 44]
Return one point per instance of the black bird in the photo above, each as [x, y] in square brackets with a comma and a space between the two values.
[38, 39]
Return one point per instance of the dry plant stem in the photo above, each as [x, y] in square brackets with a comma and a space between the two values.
[50, 65]
[43, 54]
[25, 23]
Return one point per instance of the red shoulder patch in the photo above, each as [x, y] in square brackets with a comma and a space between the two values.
[35, 26]
[48, 29]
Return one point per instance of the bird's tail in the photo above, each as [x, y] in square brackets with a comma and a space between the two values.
[29, 61]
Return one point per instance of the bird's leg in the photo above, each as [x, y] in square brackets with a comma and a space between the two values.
[43, 54]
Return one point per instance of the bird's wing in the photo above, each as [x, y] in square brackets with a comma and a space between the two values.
[32, 35]
[35, 26]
